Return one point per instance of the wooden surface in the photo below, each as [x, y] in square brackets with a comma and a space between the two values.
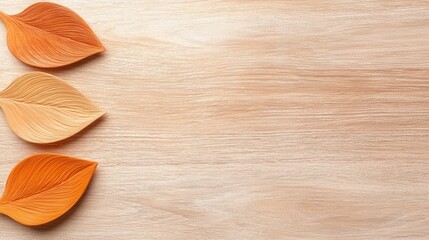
[246, 120]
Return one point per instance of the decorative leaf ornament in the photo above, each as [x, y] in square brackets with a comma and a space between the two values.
[42, 108]
[48, 35]
[43, 187]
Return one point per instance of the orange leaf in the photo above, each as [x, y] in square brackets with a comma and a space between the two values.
[48, 35]
[43, 187]
[42, 108]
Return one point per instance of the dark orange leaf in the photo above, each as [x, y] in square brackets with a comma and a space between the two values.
[48, 35]
[43, 187]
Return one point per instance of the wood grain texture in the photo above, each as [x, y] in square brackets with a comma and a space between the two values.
[246, 120]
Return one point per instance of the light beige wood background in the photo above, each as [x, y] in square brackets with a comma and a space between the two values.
[246, 120]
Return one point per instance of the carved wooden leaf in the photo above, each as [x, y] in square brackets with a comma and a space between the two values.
[43, 187]
[42, 108]
[48, 35]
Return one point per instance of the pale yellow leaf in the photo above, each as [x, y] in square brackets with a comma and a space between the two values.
[42, 108]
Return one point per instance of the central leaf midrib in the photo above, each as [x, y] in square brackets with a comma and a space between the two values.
[34, 27]
[36, 104]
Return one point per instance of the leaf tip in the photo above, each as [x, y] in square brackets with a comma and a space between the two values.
[100, 113]
[103, 48]
[94, 164]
